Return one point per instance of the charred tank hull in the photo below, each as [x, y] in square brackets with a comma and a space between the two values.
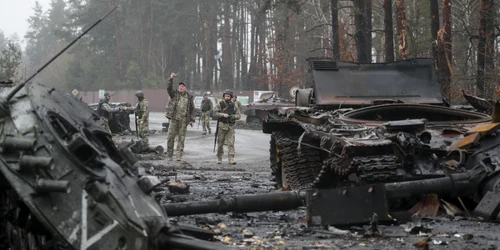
[65, 185]
[376, 144]
[258, 111]
[366, 123]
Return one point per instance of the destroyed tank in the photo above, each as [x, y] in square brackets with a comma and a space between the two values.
[65, 185]
[368, 123]
[257, 111]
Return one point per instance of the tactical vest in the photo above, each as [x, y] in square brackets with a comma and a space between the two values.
[205, 105]
[229, 110]
[102, 112]
[138, 111]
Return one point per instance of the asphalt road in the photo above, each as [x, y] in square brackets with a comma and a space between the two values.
[284, 230]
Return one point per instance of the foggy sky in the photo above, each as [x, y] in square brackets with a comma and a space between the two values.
[14, 16]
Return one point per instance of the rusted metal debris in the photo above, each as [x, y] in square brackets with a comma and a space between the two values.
[347, 164]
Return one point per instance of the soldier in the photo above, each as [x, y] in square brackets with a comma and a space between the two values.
[104, 110]
[238, 103]
[142, 116]
[206, 108]
[226, 113]
[180, 112]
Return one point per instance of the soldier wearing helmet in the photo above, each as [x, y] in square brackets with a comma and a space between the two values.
[104, 110]
[226, 113]
[236, 102]
[142, 116]
[181, 113]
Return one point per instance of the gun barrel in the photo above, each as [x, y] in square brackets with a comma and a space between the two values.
[278, 201]
[455, 185]
[180, 241]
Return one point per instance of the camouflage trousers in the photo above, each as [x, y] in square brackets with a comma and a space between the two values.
[205, 121]
[143, 128]
[176, 128]
[104, 123]
[225, 136]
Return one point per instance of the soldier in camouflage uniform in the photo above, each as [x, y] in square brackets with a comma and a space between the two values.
[104, 111]
[181, 113]
[142, 116]
[238, 103]
[226, 113]
[206, 108]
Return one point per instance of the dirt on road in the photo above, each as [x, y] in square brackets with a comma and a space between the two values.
[285, 230]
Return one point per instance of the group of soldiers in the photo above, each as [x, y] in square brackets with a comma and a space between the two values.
[181, 113]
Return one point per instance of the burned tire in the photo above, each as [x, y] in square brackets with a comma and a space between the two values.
[293, 169]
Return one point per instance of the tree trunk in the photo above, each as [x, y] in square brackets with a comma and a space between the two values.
[485, 47]
[444, 52]
[388, 31]
[118, 49]
[208, 62]
[402, 30]
[335, 29]
[368, 29]
[362, 42]
[227, 62]
[434, 27]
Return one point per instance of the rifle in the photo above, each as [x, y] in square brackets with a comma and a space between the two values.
[136, 122]
[217, 127]
[216, 131]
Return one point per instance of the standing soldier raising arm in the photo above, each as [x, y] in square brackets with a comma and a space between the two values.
[226, 113]
[181, 113]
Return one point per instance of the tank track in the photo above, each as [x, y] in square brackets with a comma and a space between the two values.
[377, 168]
[300, 169]
[275, 162]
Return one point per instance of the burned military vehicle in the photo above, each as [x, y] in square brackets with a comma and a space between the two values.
[367, 123]
[366, 142]
[65, 185]
[258, 111]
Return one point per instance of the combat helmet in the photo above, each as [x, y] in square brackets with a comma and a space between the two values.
[228, 91]
[139, 94]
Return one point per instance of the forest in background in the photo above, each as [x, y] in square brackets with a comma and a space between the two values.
[252, 44]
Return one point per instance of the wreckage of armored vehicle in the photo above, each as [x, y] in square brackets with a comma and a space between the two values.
[64, 184]
[370, 123]
[258, 111]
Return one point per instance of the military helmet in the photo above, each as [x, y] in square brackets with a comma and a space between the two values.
[229, 92]
[107, 94]
[139, 94]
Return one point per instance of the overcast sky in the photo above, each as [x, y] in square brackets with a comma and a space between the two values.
[14, 15]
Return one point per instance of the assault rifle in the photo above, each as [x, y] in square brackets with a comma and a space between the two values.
[216, 131]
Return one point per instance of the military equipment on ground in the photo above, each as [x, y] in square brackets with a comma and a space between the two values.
[118, 122]
[378, 186]
[65, 185]
[258, 111]
[366, 123]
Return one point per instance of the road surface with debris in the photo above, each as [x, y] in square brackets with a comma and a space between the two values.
[285, 230]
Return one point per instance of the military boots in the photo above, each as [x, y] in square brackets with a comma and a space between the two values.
[231, 160]
[219, 159]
